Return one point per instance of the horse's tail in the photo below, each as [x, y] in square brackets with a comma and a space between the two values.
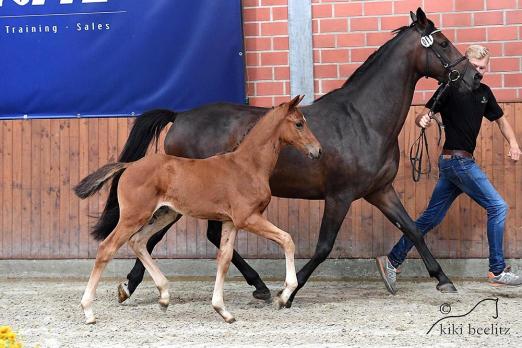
[146, 129]
[93, 182]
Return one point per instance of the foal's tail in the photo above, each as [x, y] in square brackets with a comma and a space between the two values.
[93, 182]
[147, 129]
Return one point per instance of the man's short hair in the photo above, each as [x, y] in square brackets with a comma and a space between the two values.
[477, 52]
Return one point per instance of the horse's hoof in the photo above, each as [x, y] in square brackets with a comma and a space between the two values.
[279, 303]
[447, 288]
[289, 303]
[262, 294]
[230, 320]
[91, 320]
[163, 306]
[123, 292]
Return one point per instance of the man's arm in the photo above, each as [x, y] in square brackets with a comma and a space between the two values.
[423, 118]
[507, 132]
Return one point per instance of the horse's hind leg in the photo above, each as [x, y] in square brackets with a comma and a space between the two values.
[135, 276]
[162, 218]
[106, 251]
[389, 203]
[224, 256]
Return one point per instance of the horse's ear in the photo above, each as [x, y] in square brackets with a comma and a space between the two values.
[413, 17]
[421, 17]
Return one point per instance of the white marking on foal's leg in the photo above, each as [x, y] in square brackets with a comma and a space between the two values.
[291, 277]
[228, 235]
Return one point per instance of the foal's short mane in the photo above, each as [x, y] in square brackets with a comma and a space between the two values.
[377, 54]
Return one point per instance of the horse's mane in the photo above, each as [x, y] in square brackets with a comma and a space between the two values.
[377, 54]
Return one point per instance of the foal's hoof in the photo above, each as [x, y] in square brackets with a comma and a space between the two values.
[230, 320]
[90, 320]
[163, 305]
[262, 294]
[447, 288]
[279, 302]
[123, 292]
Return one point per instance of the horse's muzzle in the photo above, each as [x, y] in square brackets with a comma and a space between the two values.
[314, 152]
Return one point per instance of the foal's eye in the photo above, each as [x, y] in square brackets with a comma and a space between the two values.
[299, 125]
[444, 44]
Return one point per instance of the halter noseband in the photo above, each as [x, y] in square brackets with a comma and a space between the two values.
[453, 74]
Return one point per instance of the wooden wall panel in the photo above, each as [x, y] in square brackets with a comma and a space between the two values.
[41, 218]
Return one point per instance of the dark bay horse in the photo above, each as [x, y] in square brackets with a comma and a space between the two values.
[231, 187]
[358, 127]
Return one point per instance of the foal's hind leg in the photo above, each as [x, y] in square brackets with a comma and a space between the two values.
[162, 217]
[224, 256]
[106, 251]
[261, 226]
[389, 203]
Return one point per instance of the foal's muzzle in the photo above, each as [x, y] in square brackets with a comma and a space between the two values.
[314, 152]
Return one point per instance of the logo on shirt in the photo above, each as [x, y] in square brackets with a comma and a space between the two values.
[484, 100]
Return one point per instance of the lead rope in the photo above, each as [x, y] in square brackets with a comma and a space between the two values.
[420, 145]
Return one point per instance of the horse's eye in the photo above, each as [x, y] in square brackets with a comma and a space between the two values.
[299, 125]
[444, 44]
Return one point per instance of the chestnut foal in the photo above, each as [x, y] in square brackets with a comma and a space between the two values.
[231, 187]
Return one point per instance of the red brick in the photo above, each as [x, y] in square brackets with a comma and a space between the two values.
[278, 100]
[333, 25]
[488, 18]
[431, 6]
[362, 24]
[251, 88]
[512, 48]
[250, 3]
[258, 44]
[513, 17]
[513, 80]
[392, 23]
[493, 80]
[273, 2]
[251, 29]
[256, 14]
[504, 64]
[279, 13]
[269, 88]
[330, 85]
[361, 54]
[321, 11]
[351, 40]
[317, 56]
[471, 35]
[450, 34]
[377, 8]
[252, 59]
[325, 71]
[274, 58]
[426, 84]
[346, 70]
[469, 5]
[377, 39]
[281, 73]
[500, 4]
[502, 33]
[405, 6]
[418, 98]
[505, 94]
[456, 20]
[315, 26]
[320, 41]
[280, 43]
[261, 101]
[348, 10]
[274, 28]
[334, 56]
[260, 73]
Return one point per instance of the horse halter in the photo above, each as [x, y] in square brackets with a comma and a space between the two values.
[453, 74]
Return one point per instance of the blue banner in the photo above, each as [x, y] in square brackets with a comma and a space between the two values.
[92, 58]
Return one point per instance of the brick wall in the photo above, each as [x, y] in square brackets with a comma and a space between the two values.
[346, 32]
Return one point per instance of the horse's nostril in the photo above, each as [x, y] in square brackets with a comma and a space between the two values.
[478, 76]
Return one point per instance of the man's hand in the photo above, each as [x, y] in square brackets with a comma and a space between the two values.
[514, 153]
[423, 120]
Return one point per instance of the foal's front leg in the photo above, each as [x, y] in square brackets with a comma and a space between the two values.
[262, 227]
[224, 256]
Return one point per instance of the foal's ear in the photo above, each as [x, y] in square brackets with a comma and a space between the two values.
[294, 102]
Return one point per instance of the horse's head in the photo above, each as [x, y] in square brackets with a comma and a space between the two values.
[294, 129]
[438, 58]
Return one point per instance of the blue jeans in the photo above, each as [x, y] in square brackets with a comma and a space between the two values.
[457, 175]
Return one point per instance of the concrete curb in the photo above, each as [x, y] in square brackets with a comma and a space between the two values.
[267, 268]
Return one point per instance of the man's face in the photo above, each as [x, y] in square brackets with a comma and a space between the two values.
[480, 64]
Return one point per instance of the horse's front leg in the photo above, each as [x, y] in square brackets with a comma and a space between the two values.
[335, 210]
[389, 203]
[250, 275]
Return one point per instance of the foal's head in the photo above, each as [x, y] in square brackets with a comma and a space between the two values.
[294, 129]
